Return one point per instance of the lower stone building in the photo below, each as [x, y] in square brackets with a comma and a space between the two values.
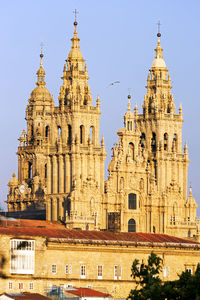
[42, 254]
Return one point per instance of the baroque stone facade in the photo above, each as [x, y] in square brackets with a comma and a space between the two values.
[61, 162]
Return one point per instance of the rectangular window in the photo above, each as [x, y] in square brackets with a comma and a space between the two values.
[22, 256]
[100, 271]
[21, 285]
[117, 273]
[83, 271]
[30, 285]
[10, 285]
[164, 271]
[53, 269]
[68, 269]
[132, 201]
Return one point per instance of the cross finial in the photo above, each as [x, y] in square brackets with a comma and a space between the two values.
[41, 47]
[75, 14]
[158, 34]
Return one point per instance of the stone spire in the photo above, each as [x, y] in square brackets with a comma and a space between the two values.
[158, 99]
[190, 191]
[75, 91]
[158, 60]
[75, 58]
[129, 117]
[129, 103]
[41, 72]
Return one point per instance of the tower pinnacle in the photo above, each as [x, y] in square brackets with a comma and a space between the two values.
[41, 72]
[158, 60]
[129, 102]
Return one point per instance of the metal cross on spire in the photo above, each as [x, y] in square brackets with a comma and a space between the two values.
[41, 47]
[158, 34]
[75, 14]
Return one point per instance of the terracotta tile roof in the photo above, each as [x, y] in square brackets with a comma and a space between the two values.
[87, 292]
[56, 230]
[25, 296]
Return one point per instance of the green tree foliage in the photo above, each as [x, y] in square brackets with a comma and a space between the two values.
[148, 283]
[150, 286]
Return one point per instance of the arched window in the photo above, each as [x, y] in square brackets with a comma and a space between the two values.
[175, 142]
[46, 131]
[142, 140]
[153, 142]
[69, 138]
[132, 201]
[129, 125]
[131, 150]
[92, 134]
[45, 171]
[154, 229]
[59, 131]
[131, 225]
[30, 165]
[165, 141]
[82, 134]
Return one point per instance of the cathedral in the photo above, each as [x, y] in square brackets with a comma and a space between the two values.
[61, 159]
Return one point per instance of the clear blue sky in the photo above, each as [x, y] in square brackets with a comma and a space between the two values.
[118, 38]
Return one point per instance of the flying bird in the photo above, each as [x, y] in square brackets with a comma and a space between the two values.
[112, 83]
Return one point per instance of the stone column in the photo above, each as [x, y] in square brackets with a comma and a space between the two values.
[54, 213]
[55, 174]
[61, 174]
[48, 209]
[61, 208]
[48, 175]
[72, 168]
[67, 173]
[19, 168]
[102, 158]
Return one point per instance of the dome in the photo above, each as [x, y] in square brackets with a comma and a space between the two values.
[13, 180]
[75, 53]
[158, 63]
[41, 93]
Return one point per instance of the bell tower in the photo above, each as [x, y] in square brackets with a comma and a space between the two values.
[29, 190]
[148, 172]
[75, 169]
[60, 159]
